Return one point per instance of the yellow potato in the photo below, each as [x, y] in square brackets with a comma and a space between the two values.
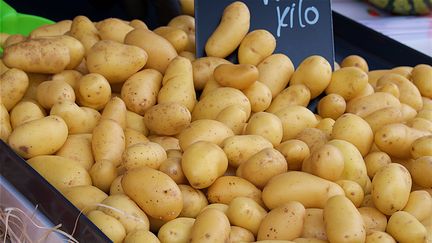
[69, 76]
[52, 92]
[326, 162]
[78, 119]
[193, 201]
[297, 94]
[141, 236]
[113, 29]
[364, 106]
[203, 68]
[103, 173]
[240, 148]
[347, 82]
[343, 222]
[167, 118]
[115, 61]
[315, 72]
[403, 70]
[226, 188]
[5, 124]
[116, 187]
[373, 219]
[309, 240]
[133, 137]
[256, 46]
[294, 120]
[143, 154]
[24, 111]
[233, 117]
[218, 206]
[421, 124]
[326, 125]
[421, 77]
[368, 90]
[375, 161]
[85, 197]
[309, 190]
[154, 192]
[267, 125]
[275, 71]
[239, 234]
[210, 86]
[160, 51]
[76, 49]
[246, 213]
[177, 84]
[239, 76]
[382, 117]
[390, 88]
[140, 91]
[202, 163]
[313, 137]
[379, 237]
[313, 226]
[189, 55]
[110, 226]
[210, 225]
[355, 61]
[136, 122]
[13, 85]
[183, 22]
[420, 170]
[230, 32]
[108, 142]
[419, 204]
[136, 23]
[425, 113]
[391, 195]
[26, 139]
[177, 37]
[259, 96]
[283, 223]
[93, 90]
[404, 227]
[85, 31]
[78, 148]
[176, 231]
[332, 106]
[60, 172]
[167, 142]
[420, 147]
[56, 29]
[353, 191]
[294, 151]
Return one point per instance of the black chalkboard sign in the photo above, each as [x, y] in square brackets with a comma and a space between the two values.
[301, 27]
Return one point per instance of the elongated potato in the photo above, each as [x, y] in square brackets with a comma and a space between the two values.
[294, 120]
[51, 92]
[5, 124]
[259, 96]
[141, 236]
[420, 169]
[297, 94]
[108, 142]
[241, 147]
[109, 225]
[275, 71]
[167, 118]
[76, 49]
[13, 85]
[256, 46]
[78, 148]
[419, 204]
[177, 37]
[85, 197]
[69, 76]
[143, 154]
[246, 213]
[226, 188]
[78, 119]
[420, 147]
[230, 32]
[133, 137]
[382, 117]
[421, 77]
[85, 31]
[239, 76]
[406, 228]
[113, 29]
[203, 70]
[233, 117]
[59, 28]
[347, 82]
[176, 231]
[211, 225]
[313, 226]
[103, 173]
[136, 122]
[364, 106]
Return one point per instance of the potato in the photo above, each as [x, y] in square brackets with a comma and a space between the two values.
[85, 197]
[259, 96]
[176, 231]
[313, 137]
[133, 137]
[368, 90]
[56, 29]
[140, 91]
[294, 151]
[5, 124]
[373, 219]
[167, 118]
[326, 162]
[210, 225]
[103, 173]
[343, 223]
[113, 29]
[78, 119]
[202, 163]
[403, 70]
[160, 51]
[183, 22]
[24, 111]
[332, 106]
[218, 206]
[69, 76]
[143, 154]
[353, 191]
[203, 68]
[189, 55]
[406, 228]
[355, 61]
[110, 226]
[347, 82]
[297, 94]
[420, 171]
[13, 84]
[246, 213]
[421, 147]
[26, 139]
[226, 188]
[204, 130]
[256, 46]
[210, 86]
[263, 166]
[240, 148]
[239, 76]
[421, 124]
[116, 187]
[313, 226]
[308, 240]
[396, 139]
[108, 142]
[326, 125]
[294, 120]
[177, 37]
[425, 113]
[174, 153]
[60, 172]
[419, 205]
[193, 201]
[390, 88]
[136, 122]
[85, 31]
[375, 161]
[233, 117]
[364, 106]
[230, 32]
[379, 237]
[178, 84]
[141, 236]
[391, 195]
[283, 223]
[239, 234]
[78, 148]
[115, 61]
[315, 72]
[267, 125]
[421, 77]
[382, 117]
[167, 142]
[154, 192]
[51, 92]
[37, 56]
[309, 190]
[76, 49]
[93, 90]
[275, 72]
[136, 23]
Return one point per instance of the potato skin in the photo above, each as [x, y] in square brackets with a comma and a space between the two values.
[85, 197]
[275, 71]
[246, 213]
[256, 46]
[182, 227]
[203, 68]
[108, 225]
[347, 82]
[167, 119]
[13, 85]
[406, 228]
[108, 142]
[226, 188]
[210, 225]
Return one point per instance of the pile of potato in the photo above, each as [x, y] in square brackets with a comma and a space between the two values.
[154, 145]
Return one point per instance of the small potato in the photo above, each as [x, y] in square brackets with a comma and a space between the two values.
[52, 92]
[176, 231]
[379, 237]
[382, 117]
[403, 70]
[143, 154]
[204, 130]
[210, 225]
[267, 125]
[313, 137]
[374, 220]
[133, 137]
[24, 111]
[13, 85]
[294, 151]
[419, 204]
[421, 77]
[420, 170]
[421, 124]
[108, 142]
[59, 28]
[136, 122]
[246, 213]
[202, 163]
[233, 117]
[230, 32]
[353, 191]
[110, 226]
[239, 76]
[60, 172]
[116, 187]
[167, 142]
[332, 106]
[113, 29]
[154, 192]
[210, 86]
[239, 234]
[259, 96]
[14, 39]
[93, 90]
[240, 148]
[408, 113]
[5, 124]
[275, 71]
[295, 119]
[391, 195]
[347, 82]
[115, 61]
[421, 147]
[136, 23]
[193, 201]
[309, 190]
[115, 110]
[69, 76]
[85, 197]
[167, 118]
[188, 55]
[160, 51]
[425, 114]
[140, 91]
[375, 161]
[256, 46]
[368, 90]
[141, 236]
[263, 166]
[183, 22]
[26, 139]
[390, 88]
[177, 37]
[313, 226]
[316, 73]
[103, 173]
[326, 162]
[78, 148]
[406, 228]
[355, 61]
[343, 222]
[326, 125]
[226, 188]
[78, 119]
[203, 68]
[283, 223]
[85, 31]
[218, 206]
[297, 94]
[364, 106]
